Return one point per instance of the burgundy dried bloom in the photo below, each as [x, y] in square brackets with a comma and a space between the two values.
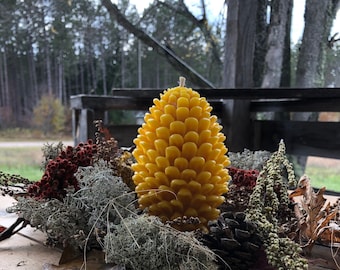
[243, 178]
[59, 173]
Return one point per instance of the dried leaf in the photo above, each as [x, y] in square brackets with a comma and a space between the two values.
[314, 217]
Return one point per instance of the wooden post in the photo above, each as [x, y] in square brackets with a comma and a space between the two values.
[83, 127]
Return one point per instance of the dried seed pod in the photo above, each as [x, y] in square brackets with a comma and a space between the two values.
[181, 159]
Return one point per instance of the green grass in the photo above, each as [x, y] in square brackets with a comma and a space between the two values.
[324, 177]
[33, 173]
[25, 161]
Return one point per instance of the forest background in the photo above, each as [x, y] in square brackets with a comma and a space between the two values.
[50, 50]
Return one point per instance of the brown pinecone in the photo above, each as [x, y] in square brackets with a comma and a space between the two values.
[231, 237]
[234, 241]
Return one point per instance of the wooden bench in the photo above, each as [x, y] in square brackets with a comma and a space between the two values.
[301, 137]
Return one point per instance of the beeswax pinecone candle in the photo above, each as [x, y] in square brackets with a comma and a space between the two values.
[180, 173]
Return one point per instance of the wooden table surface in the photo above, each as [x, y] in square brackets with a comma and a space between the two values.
[25, 250]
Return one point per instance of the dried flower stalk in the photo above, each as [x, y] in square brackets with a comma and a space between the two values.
[267, 208]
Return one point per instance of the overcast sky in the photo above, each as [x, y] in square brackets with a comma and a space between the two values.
[215, 7]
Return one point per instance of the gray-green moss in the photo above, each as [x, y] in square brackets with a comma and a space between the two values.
[103, 199]
[249, 160]
[144, 242]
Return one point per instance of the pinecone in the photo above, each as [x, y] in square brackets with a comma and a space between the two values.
[231, 237]
[234, 241]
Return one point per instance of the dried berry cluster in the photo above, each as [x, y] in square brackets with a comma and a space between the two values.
[12, 184]
[108, 150]
[243, 178]
[59, 173]
[107, 146]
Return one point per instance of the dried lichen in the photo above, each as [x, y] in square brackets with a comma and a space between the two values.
[249, 160]
[102, 198]
[144, 242]
[267, 208]
[60, 220]
[101, 189]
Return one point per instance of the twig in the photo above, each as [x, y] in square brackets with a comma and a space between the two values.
[13, 228]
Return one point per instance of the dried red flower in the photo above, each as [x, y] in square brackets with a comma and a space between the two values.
[243, 178]
[59, 173]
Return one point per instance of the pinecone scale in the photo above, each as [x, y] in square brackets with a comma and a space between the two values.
[234, 240]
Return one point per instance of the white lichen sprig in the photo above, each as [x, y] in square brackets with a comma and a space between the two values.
[267, 201]
[59, 220]
[144, 242]
[99, 188]
[249, 160]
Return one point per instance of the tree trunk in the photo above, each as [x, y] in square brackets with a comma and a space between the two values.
[286, 63]
[2, 83]
[246, 43]
[33, 74]
[104, 75]
[93, 69]
[60, 75]
[122, 69]
[47, 54]
[6, 111]
[260, 42]
[318, 22]
[24, 102]
[276, 38]
[239, 44]
[64, 94]
[239, 56]
[310, 66]
[230, 45]
[48, 69]
[81, 71]
[6, 80]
